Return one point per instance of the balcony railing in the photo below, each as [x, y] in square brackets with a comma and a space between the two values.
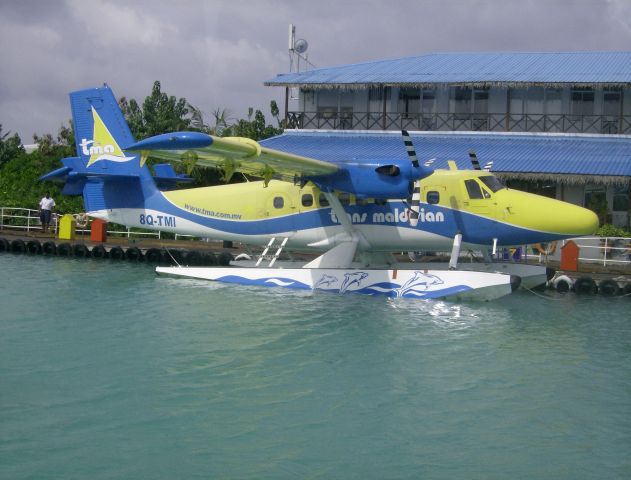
[483, 122]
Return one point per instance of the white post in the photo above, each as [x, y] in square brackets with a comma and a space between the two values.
[455, 252]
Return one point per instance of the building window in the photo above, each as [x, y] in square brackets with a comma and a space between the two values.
[612, 101]
[582, 102]
[535, 101]
[481, 101]
[461, 100]
[279, 202]
[409, 101]
[375, 99]
[553, 101]
[516, 105]
[621, 199]
[429, 101]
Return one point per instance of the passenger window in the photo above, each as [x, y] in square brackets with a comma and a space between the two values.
[323, 201]
[279, 202]
[473, 189]
[345, 198]
[433, 197]
[307, 200]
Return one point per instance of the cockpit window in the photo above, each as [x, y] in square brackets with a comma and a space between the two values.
[492, 182]
[473, 189]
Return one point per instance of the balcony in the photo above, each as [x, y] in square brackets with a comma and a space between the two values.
[488, 122]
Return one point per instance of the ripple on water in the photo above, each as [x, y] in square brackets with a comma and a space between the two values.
[109, 371]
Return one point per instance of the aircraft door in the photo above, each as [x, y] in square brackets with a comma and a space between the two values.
[478, 199]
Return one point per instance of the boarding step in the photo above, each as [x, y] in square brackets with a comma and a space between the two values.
[272, 258]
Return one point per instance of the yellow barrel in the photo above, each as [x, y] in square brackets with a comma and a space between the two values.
[67, 227]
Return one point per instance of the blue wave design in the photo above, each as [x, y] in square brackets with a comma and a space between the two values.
[387, 289]
[266, 282]
[377, 289]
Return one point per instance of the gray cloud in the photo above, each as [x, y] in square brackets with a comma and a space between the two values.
[217, 54]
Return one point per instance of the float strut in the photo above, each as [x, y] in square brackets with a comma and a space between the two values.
[455, 252]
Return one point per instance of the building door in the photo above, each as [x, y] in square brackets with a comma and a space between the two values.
[611, 111]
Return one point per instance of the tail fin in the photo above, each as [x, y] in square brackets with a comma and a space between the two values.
[106, 175]
[100, 132]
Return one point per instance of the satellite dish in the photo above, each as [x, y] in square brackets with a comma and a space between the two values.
[301, 45]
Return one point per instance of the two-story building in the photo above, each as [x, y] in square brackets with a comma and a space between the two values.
[580, 97]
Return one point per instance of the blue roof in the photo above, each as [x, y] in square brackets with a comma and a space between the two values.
[561, 157]
[479, 68]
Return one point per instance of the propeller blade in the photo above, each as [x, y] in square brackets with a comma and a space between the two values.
[415, 204]
[409, 147]
[474, 160]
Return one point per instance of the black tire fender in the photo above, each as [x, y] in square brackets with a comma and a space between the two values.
[18, 246]
[134, 254]
[5, 246]
[34, 247]
[584, 285]
[80, 250]
[49, 248]
[99, 251]
[117, 253]
[64, 250]
[153, 255]
[608, 288]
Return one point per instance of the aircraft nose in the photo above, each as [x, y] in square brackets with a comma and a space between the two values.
[586, 222]
[572, 220]
[561, 219]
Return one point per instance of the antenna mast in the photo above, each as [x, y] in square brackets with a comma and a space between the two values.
[297, 52]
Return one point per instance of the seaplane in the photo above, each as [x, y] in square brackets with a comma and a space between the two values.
[353, 214]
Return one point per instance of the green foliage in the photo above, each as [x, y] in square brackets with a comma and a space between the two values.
[255, 129]
[598, 204]
[609, 230]
[160, 113]
[19, 185]
[10, 146]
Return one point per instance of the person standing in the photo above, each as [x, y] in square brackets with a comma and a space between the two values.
[46, 205]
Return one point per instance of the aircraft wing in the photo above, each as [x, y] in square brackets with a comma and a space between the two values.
[231, 154]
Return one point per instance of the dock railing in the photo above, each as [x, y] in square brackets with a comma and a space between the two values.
[27, 220]
[601, 250]
[604, 250]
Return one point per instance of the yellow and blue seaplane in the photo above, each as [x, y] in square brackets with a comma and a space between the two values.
[353, 213]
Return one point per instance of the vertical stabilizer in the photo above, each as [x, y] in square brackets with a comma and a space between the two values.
[101, 133]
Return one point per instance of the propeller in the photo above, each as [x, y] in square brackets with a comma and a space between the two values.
[474, 160]
[416, 188]
[476, 163]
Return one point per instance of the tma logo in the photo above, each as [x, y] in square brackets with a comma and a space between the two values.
[103, 146]
[95, 149]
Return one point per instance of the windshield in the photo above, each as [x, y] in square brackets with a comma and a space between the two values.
[492, 183]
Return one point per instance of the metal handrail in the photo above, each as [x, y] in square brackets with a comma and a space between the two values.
[612, 250]
[446, 121]
[27, 219]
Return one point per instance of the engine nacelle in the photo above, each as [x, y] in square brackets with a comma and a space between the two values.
[374, 179]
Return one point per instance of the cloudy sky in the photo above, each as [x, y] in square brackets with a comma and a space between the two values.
[217, 54]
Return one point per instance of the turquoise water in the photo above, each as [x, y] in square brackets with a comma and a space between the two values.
[108, 372]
